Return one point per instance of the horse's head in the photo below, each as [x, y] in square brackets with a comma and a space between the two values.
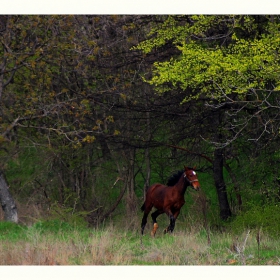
[191, 177]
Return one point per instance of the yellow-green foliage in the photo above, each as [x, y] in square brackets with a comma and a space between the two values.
[211, 68]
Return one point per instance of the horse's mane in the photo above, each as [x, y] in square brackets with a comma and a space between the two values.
[173, 180]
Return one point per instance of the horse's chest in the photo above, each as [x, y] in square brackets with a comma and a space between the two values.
[179, 204]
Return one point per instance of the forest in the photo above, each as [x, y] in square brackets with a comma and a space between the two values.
[96, 108]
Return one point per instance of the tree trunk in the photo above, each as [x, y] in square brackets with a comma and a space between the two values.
[235, 186]
[130, 182]
[7, 201]
[147, 150]
[148, 172]
[225, 211]
[218, 165]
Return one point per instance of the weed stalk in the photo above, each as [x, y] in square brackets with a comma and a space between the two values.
[258, 237]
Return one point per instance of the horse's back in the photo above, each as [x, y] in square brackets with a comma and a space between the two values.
[156, 188]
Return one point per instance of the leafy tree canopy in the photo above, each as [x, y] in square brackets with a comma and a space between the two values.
[218, 55]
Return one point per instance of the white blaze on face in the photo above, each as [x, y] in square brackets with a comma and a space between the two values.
[194, 173]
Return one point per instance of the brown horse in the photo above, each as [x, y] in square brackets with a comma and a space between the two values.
[168, 199]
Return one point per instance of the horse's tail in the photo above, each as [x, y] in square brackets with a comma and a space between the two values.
[143, 207]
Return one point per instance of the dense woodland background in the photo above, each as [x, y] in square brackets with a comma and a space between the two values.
[95, 108]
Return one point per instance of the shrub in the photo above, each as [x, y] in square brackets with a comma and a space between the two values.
[266, 217]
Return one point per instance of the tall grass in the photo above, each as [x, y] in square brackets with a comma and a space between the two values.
[57, 243]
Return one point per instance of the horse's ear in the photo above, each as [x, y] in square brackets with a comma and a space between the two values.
[194, 168]
[186, 168]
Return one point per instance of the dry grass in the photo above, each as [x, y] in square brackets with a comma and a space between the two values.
[104, 248]
[120, 244]
[111, 246]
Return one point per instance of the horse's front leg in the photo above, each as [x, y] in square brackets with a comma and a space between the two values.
[173, 218]
[171, 225]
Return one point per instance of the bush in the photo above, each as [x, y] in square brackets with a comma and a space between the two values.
[266, 217]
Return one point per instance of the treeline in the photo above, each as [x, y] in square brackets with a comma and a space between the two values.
[94, 108]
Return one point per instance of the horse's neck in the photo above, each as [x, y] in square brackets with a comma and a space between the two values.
[182, 185]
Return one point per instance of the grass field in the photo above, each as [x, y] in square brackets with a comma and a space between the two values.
[58, 243]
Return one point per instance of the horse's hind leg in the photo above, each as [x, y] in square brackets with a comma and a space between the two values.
[144, 222]
[144, 219]
[155, 224]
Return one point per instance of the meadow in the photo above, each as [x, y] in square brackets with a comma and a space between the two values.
[55, 242]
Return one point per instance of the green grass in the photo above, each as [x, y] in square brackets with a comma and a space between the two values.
[11, 231]
[56, 242]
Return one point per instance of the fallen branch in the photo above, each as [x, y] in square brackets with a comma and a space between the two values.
[114, 206]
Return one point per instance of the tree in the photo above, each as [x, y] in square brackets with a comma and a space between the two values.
[227, 61]
[73, 99]
[7, 202]
[37, 103]
[230, 63]
[72, 91]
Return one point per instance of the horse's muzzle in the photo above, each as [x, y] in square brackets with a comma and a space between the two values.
[195, 185]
